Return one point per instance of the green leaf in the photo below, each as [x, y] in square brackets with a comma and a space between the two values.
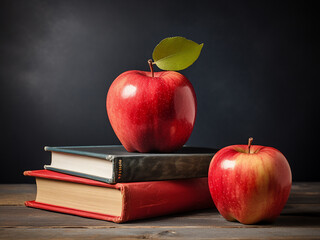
[176, 53]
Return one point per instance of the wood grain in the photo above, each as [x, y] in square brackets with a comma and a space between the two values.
[163, 233]
[16, 194]
[300, 219]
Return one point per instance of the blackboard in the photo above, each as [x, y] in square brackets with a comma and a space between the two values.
[256, 75]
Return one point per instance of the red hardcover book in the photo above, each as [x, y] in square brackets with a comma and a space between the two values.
[119, 202]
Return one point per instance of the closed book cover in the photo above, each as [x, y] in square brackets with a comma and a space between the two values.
[119, 202]
[112, 164]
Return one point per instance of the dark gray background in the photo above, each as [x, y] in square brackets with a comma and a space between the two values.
[255, 77]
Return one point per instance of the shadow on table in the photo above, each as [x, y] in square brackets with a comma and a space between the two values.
[299, 215]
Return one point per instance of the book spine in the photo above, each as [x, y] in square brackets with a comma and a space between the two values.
[138, 169]
[117, 170]
[146, 199]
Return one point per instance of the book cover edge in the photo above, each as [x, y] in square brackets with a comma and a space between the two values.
[66, 149]
[73, 211]
[79, 174]
[54, 175]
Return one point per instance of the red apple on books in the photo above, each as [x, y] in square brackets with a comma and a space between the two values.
[152, 111]
[155, 111]
[249, 183]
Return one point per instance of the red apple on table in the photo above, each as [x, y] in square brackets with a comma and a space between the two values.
[152, 111]
[249, 183]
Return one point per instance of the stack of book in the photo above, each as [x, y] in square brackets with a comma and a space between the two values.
[109, 183]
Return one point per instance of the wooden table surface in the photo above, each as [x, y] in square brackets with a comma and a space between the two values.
[300, 219]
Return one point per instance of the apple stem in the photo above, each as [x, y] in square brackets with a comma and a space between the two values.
[249, 144]
[151, 67]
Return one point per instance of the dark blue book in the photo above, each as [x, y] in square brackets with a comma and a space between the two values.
[112, 164]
